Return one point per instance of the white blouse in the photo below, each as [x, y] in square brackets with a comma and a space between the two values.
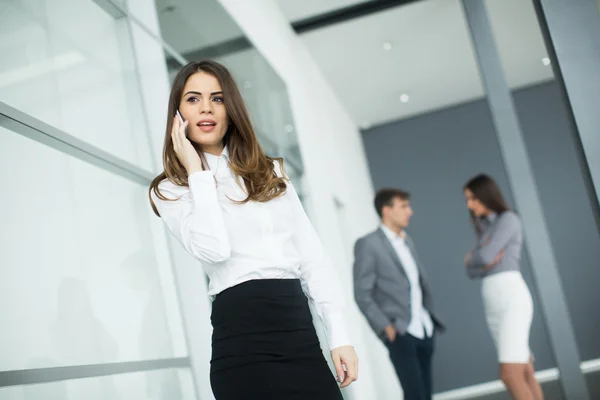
[240, 242]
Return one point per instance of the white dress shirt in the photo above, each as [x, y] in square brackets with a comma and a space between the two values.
[241, 242]
[420, 321]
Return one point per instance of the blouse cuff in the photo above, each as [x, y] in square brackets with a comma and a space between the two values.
[335, 328]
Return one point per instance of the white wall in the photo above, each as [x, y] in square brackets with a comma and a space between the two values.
[336, 169]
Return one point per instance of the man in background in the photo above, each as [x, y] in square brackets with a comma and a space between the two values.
[391, 290]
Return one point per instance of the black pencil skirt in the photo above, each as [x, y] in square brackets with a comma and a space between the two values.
[264, 345]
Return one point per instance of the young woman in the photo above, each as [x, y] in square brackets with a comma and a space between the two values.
[506, 298]
[234, 209]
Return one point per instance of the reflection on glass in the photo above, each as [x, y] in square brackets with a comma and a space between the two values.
[79, 283]
[155, 385]
[71, 66]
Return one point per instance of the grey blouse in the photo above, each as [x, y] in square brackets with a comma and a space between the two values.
[497, 232]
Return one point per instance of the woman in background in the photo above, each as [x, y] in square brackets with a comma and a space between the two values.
[234, 209]
[506, 298]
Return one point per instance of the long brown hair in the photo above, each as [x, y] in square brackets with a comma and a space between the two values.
[247, 159]
[487, 191]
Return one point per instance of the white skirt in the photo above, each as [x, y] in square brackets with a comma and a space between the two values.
[509, 311]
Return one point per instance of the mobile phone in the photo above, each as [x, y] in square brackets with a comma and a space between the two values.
[180, 117]
[182, 122]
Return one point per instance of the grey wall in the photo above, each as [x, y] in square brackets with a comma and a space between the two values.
[432, 156]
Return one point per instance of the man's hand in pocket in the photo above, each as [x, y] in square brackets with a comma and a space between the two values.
[391, 333]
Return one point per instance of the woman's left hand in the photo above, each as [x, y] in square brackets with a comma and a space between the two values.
[345, 355]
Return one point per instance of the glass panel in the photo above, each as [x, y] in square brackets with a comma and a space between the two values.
[71, 66]
[79, 283]
[152, 385]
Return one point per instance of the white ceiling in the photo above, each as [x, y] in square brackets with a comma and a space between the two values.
[432, 58]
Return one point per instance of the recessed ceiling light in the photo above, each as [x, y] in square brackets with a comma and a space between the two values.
[289, 128]
[387, 46]
[404, 98]
[247, 84]
[546, 61]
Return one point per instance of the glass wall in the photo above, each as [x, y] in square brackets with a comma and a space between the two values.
[71, 66]
[79, 278]
[86, 277]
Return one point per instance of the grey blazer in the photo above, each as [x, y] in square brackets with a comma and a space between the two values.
[381, 286]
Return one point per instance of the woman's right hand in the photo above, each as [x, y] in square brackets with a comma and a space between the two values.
[186, 153]
[345, 356]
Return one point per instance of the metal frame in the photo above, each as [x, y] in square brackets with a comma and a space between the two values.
[55, 374]
[28, 126]
[520, 175]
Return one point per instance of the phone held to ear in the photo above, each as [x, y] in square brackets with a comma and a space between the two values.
[182, 122]
[180, 117]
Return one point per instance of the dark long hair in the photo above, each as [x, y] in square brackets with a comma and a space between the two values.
[486, 190]
[248, 160]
